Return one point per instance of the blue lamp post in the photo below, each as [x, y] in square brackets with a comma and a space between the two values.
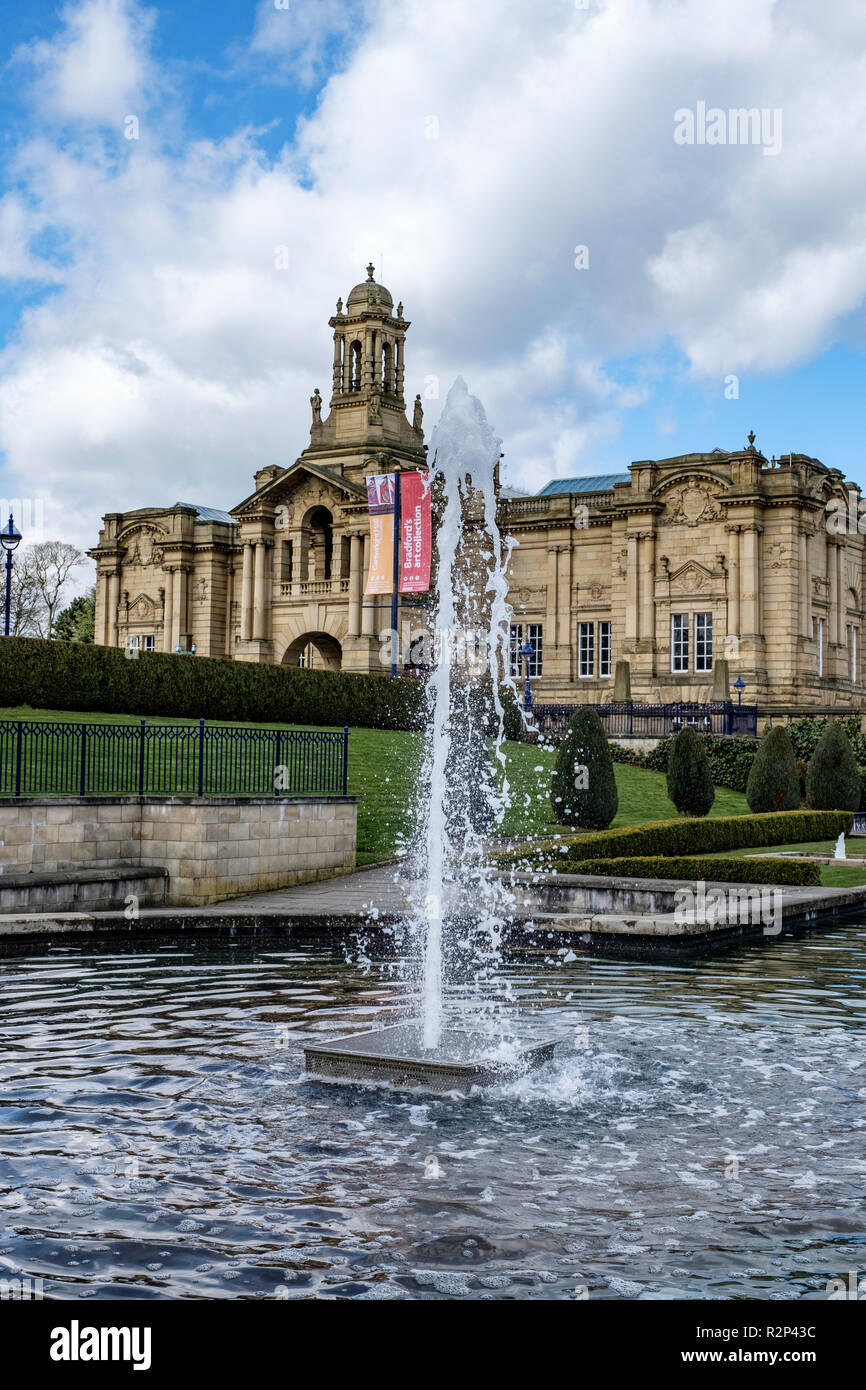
[10, 537]
[739, 686]
[527, 652]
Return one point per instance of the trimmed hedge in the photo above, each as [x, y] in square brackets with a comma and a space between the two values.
[77, 676]
[690, 783]
[799, 872]
[583, 790]
[731, 757]
[682, 837]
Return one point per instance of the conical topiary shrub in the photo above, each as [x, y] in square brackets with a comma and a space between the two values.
[583, 793]
[774, 784]
[690, 785]
[832, 777]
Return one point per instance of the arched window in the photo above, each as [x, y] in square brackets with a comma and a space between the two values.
[355, 370]
[321, 544]
[388, 368]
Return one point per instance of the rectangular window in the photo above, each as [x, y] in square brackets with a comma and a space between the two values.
[679, 642]
[132, 641]
[147, 642]
[604, 649]
[585, 649]
[818, 633]
[515, 642]
[854, 632]
[535, 639]
[516, 662]
[703, 641]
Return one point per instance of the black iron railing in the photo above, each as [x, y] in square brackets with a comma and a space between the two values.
[655, 721]
[40, 757]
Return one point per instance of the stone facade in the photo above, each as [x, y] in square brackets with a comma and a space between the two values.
[672, 565]
[211, 847]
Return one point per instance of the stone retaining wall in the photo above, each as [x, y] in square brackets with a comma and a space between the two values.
[212, 847]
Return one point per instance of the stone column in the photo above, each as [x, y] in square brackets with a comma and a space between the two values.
[260, 591]
[368, 612]
[632, 630]
[113, 604]
[347, 363]
[551, 615]
[168, 611]
[805, 585]
[355, 577]
[842, 594]
[338, 365]
[368, 367]
[398, 368]
[750, 594]
[179, 607]
[734, 582]
[647, 579]
[833, 577]
[246, 591]
[101, 633]
[230, 598]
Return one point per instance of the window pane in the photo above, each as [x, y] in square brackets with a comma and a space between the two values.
[703, 641]
[586, 649]
[604, 649]
[534, 638]
[515, 643]
[679, 641]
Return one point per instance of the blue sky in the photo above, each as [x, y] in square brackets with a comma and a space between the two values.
[150, 348]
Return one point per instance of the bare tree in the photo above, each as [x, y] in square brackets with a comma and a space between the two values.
[27, 607]
[39, 582]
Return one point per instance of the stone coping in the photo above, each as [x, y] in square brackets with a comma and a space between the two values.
[132, 799]
[48, 878]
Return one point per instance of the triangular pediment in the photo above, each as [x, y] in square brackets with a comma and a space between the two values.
[300, 476]
[691, 578]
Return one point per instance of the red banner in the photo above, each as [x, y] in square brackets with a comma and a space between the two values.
[416, 533]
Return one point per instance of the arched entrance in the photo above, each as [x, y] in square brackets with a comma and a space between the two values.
[316, 651]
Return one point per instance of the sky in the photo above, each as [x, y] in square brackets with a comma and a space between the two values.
[558, 193]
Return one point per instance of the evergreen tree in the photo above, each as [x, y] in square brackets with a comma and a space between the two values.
[583, 793]
[832, 777]
[76, 622]
[774, 784]
[690, 783]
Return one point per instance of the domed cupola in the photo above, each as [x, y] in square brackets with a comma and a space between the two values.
[369, 295]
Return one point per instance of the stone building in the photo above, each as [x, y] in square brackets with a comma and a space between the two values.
[671, 565]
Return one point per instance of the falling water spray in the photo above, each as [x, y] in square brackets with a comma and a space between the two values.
[464, 906]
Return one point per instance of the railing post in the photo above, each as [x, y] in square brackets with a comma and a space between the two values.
[345, 759]
[201, 757]
[82, 779]
[19, 740]
[141, 758]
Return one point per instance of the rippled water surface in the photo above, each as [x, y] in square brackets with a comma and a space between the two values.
[701, 1133]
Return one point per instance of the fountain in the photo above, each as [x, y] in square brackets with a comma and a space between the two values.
[461, 907]
[839, 852]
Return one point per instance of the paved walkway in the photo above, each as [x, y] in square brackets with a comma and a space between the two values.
[346, 895]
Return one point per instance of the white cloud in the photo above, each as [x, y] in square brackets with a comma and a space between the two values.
[173, 358]
[98, 69]
[296, 38]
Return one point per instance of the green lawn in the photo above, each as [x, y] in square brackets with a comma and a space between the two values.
[642, 794]
[383, 769]
[841, 875]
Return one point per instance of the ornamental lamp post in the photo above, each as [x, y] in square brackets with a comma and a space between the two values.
[10, 538]
[739, 686]
[527, 651]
